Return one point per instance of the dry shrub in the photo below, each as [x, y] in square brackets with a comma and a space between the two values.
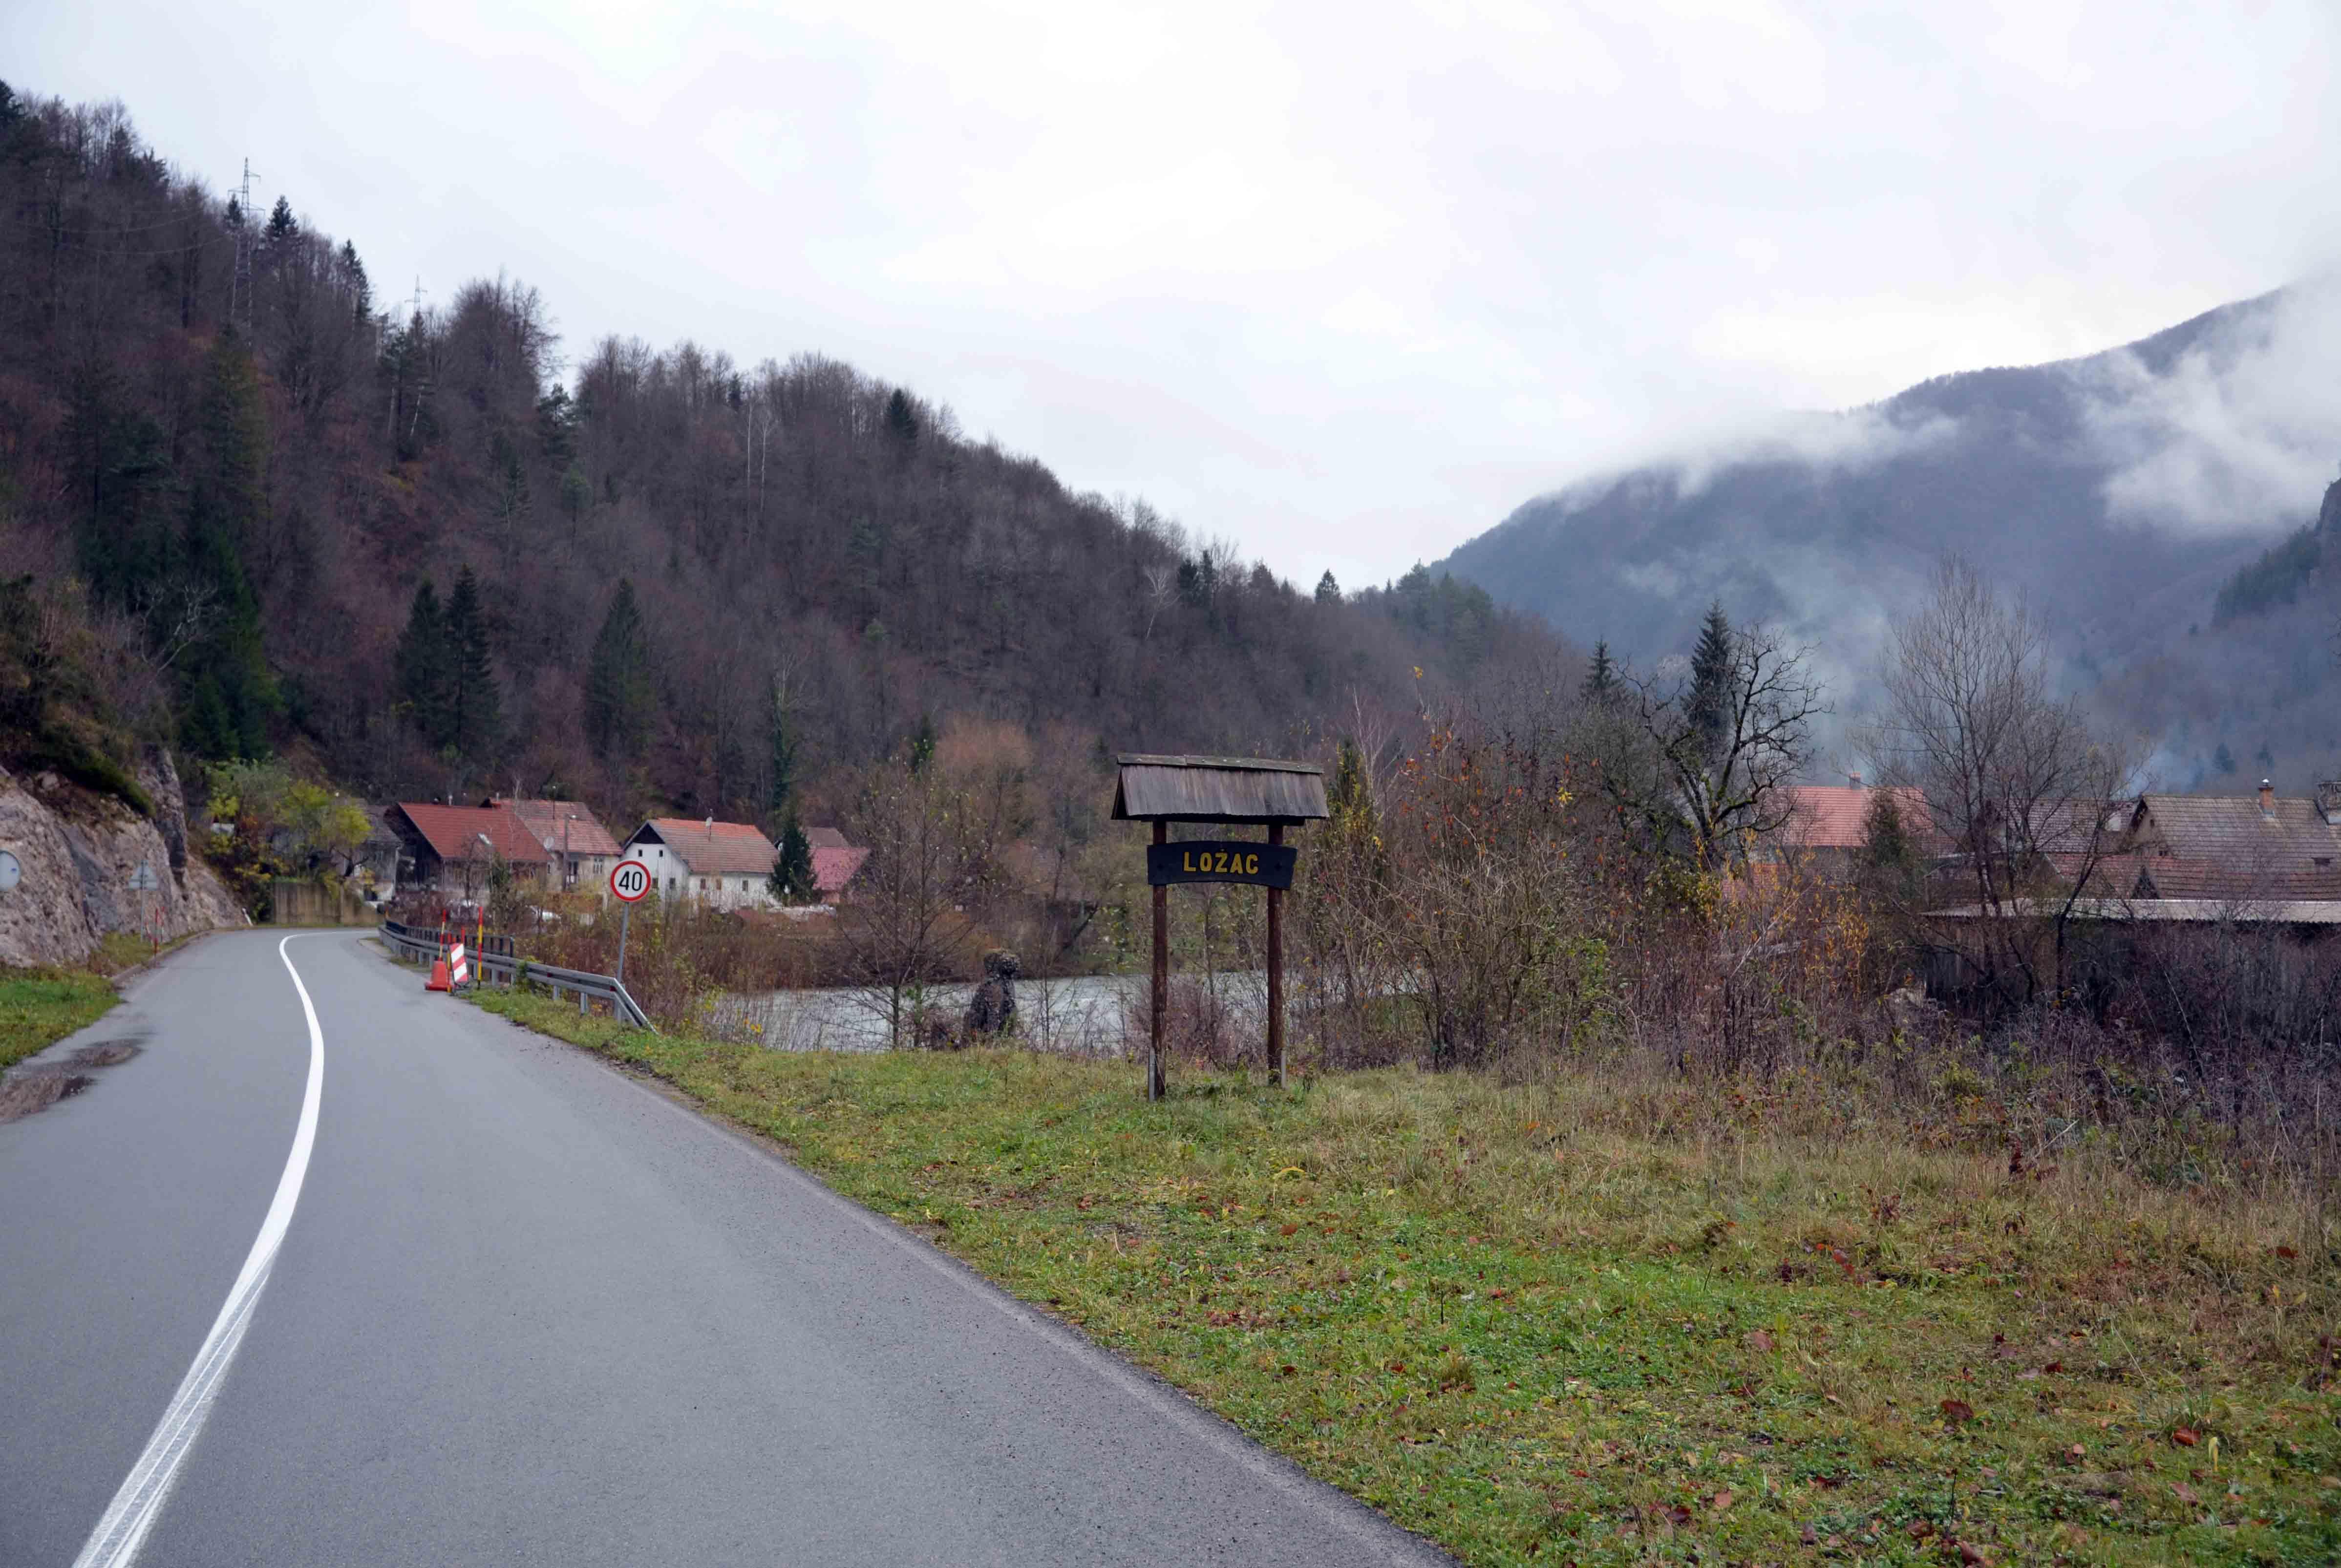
[1488, 912]
[1214, 1020]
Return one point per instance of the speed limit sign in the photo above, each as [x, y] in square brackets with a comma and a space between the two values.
[629, 880]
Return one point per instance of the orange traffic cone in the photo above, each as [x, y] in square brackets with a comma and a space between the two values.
[438, 981]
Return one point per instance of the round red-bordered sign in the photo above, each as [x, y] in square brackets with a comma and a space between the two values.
[629, 880]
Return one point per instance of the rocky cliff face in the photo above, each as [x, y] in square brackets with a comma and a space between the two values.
[79, 851]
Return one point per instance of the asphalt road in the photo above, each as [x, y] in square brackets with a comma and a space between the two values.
[528, 1310]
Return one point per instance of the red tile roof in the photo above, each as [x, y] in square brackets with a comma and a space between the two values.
[1830, 816]
[453, 832]
[712, 849]
[834, 866]
[544, 819]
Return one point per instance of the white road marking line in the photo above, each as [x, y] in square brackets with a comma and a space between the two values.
[119, 1535]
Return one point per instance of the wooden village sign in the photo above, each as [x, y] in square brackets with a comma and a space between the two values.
[1238, 791]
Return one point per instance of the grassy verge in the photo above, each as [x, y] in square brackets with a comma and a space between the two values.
[1548, 1324]
[39, 1006]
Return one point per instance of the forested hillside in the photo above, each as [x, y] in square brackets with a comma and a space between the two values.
[249, 507]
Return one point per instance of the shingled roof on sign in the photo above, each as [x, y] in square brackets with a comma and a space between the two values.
[1218, 789]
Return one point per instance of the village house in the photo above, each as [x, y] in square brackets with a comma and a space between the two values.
[581, 848]
[722, 865]
[1829, 824]
[2231, 848]
[453, 851]
[835, 862]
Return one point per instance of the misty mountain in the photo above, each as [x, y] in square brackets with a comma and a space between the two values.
[2123, 493]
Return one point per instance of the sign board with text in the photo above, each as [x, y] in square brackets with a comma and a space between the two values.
[629, 880]
[1251, 862]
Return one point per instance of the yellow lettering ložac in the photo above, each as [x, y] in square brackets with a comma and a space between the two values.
[1251, 865]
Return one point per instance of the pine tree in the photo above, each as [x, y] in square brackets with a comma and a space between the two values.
[781, 783]
[474, 708]
[1885, 837]
[1601, 683]
[423, 667]
[354, 273]
[618, 680]
[1712, 664]
[282, 224]
[1328, 590]
[902, 418]
[230, 696]
[792, 881]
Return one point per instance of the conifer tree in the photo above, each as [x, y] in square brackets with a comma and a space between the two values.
[229, 695]
[422, 667]
[792, 881]
[1708, 707]
[1601, 683]
[1328, 592]
[474, 708]
[781, 783]
[1886, 839]
[618, 680]
[902, 418]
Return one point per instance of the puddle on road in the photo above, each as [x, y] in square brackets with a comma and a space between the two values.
[29, 1090]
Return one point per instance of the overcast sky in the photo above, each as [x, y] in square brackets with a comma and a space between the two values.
[1346, 282]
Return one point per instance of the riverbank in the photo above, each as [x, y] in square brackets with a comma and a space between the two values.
[1619, 1320]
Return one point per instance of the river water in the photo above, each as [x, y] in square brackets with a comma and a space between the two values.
[1087, 1014]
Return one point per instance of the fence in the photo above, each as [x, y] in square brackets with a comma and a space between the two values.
[500, 965]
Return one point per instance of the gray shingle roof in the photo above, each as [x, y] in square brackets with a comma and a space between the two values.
[2290, 836]
[1218, 789]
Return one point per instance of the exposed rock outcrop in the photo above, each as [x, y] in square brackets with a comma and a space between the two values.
[79, 851]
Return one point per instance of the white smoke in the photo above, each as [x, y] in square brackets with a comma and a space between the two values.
[2241, 435]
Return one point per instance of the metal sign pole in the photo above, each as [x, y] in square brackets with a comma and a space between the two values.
[625, 921]
[1159, 1002]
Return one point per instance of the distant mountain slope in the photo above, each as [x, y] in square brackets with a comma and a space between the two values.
[2121, 492]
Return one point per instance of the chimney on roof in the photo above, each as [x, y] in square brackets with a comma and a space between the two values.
[1853, 780]
[2268, 799]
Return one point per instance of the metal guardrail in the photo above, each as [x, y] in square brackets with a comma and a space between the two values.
[422, 946]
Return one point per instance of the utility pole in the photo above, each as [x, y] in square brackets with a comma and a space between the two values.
[240, 284]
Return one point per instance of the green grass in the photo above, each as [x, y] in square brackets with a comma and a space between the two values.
[1619, 1322]
[39, 1006]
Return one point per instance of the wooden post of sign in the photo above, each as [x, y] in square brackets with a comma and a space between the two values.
[1276, 967]
[1159, 1003]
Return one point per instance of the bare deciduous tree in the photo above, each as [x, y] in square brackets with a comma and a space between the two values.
[934, 840]
[1711, 765]
[2021, 788]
